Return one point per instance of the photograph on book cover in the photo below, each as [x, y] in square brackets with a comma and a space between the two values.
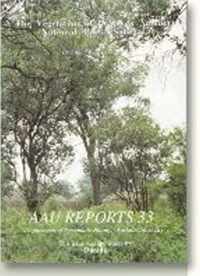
[93, 148]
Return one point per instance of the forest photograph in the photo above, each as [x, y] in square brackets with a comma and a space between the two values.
[93, 131]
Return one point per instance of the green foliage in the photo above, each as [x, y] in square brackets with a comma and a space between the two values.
[54, 203]
[7, 180]
[85, 193]
[131, 154]
[167, 242]
[176, 187]
[176, 170]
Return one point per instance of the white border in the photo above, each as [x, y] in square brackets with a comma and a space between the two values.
[194, 127]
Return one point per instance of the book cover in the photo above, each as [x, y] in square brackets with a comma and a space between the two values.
[93, 131]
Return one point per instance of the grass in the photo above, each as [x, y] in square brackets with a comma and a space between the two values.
[161, 240]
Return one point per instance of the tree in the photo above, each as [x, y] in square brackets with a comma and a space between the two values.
[7, 180]
[176, 187]
[130, 24]
[8, 154]
[33, 107]
[99, 84]
[35, 92]
[176, 171]
[85, 194]
[64, 188]
[131, 156]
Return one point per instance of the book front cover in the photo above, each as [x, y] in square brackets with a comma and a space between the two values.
[93, 163]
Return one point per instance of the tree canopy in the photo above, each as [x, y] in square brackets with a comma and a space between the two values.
[64, 69]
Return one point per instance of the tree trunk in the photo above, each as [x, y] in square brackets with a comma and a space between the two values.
[94, 179]
[96, 190]
[146, 200]
[33, 202]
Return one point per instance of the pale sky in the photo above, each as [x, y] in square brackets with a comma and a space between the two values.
[167, 93]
